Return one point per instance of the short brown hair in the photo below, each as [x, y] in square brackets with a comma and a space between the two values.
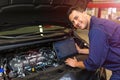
[80, 5]
[78, 8]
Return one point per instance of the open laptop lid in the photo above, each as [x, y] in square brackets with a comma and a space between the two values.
[65, 48]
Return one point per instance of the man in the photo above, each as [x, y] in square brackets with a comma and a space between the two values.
[104, 39]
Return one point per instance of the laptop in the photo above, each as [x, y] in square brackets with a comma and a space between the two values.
[65, 48]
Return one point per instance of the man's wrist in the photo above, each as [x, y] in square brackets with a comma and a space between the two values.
[80, 64]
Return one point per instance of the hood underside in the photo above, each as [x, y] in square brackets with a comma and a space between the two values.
[30, 12]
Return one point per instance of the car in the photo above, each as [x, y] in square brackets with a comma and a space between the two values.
[36, 38]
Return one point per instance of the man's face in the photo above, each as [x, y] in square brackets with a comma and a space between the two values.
[78, 19]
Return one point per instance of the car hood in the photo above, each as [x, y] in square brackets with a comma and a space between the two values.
[30, 12]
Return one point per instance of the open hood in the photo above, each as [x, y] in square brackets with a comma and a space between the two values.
[30, 12]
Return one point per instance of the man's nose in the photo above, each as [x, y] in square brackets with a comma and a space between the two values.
[75, 23]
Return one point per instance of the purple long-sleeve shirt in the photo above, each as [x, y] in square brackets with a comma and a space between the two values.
[104, 37]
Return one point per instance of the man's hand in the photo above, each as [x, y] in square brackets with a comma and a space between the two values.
[74, 63]
[71, 62]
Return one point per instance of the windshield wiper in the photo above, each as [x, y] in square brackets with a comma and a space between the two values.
[28, 35]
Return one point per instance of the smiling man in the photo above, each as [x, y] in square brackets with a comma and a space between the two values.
[104, 37]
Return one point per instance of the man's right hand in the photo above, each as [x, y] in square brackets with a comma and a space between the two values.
[81, 51]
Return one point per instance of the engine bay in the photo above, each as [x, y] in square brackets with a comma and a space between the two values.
[20, 62]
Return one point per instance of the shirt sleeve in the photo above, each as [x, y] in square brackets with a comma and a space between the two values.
[98, 49]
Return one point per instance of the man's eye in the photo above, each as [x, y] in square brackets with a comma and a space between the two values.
[76, 17]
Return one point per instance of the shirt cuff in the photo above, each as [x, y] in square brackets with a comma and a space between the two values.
[89, 67]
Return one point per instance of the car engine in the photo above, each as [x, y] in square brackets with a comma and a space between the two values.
[28, 62]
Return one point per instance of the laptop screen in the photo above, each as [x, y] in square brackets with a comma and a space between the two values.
[65, 48]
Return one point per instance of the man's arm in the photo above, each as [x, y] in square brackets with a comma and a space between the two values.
[99, 49]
